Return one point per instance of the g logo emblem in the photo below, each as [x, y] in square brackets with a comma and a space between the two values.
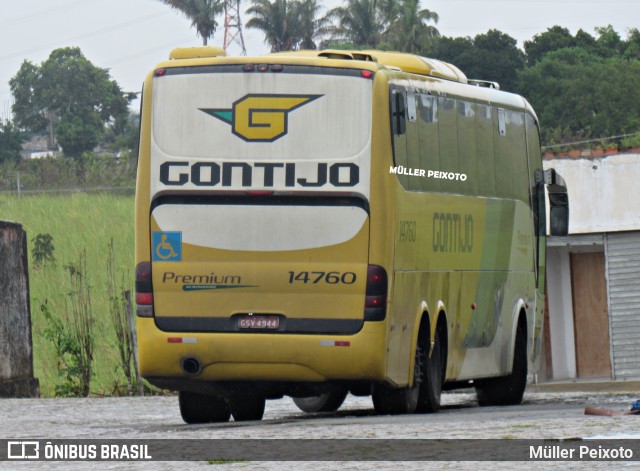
[260, 118]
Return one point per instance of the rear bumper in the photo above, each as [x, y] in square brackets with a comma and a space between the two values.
[262, 356]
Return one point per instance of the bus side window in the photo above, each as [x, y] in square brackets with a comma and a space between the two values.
[467, 147]
[413, 142]
[448, 135]
[503, 154]
[485, 150]
[429, 143]
[399, 132]
[411, 107]
[398, 112]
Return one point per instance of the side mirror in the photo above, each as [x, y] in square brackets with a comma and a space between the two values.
[559, 221]
[558, 202]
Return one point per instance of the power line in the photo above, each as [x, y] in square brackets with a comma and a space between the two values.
[85, 36]
[43, 13]
[124, 59]
[587, 141]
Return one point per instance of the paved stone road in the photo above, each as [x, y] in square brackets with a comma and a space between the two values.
[543, 415]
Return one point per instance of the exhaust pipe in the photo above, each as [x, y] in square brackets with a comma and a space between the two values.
[191, 366]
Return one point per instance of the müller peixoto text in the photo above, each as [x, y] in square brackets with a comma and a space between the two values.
[419, 172]
[579, 452]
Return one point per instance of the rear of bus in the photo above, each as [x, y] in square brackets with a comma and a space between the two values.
[252, 227]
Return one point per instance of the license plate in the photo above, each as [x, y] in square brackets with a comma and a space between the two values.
[259, 322]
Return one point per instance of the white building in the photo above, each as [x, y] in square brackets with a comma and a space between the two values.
[593, 275]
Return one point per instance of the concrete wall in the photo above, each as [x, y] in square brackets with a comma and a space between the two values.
[16, 353]
[563, 357]
[603, 192]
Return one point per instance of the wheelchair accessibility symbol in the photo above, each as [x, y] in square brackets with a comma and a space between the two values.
[167, 246]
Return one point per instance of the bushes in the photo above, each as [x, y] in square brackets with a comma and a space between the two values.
[59, 173]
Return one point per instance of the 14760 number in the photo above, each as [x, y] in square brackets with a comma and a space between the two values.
[315, 277]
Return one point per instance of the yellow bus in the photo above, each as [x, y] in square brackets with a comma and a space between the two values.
[320, 223]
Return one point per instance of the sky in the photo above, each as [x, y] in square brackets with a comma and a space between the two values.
[129, 37]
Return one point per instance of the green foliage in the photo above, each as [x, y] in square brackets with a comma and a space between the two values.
[94, 171]
[409, 30]
[72, 335]
[362, 22]
[67, 351]
[79, 132]
[202, 14]
[26, 91]
[42, 251]
[551, 40]
[11, 140]
[68, 94]
[581, 96]
[127, 138]
[606, 44]
[490, 56]
[287, 24]
[122, 317]
[77, 220]
[631, 141]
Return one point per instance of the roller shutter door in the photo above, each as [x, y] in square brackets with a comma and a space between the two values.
[623, 274]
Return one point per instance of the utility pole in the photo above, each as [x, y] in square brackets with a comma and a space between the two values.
[233, 26]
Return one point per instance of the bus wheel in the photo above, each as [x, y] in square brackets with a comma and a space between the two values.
[245, 408]
[432, 375]
[388, 400]
[327, 402]
[198, 408]
[508, 390]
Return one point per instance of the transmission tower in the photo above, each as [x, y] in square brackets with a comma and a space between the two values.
[233, 26]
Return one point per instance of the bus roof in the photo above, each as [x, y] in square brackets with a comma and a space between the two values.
[393, 60]
[367, 59]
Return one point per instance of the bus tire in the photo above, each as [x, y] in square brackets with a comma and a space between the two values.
[196, 408]
[326, 402]
[244, 408]
[432, 375]
[387, 400]
[508, 390]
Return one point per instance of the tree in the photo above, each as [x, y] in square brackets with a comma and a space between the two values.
[311, 26]
[288, 24]
[632, 45]
[25, 90]
[498, 59]
[609, 42]
[79, 132]
[276, 20]
[11, 140]
[70, 96]
[552, 39]
[202, 14]
[579, 95]
[362, 22]
[410, 31]
[491, 56]
[128, 137]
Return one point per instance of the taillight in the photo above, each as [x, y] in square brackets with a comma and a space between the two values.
[144, 290]
[375, 304]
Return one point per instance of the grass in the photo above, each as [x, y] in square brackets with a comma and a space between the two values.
[76, 222]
